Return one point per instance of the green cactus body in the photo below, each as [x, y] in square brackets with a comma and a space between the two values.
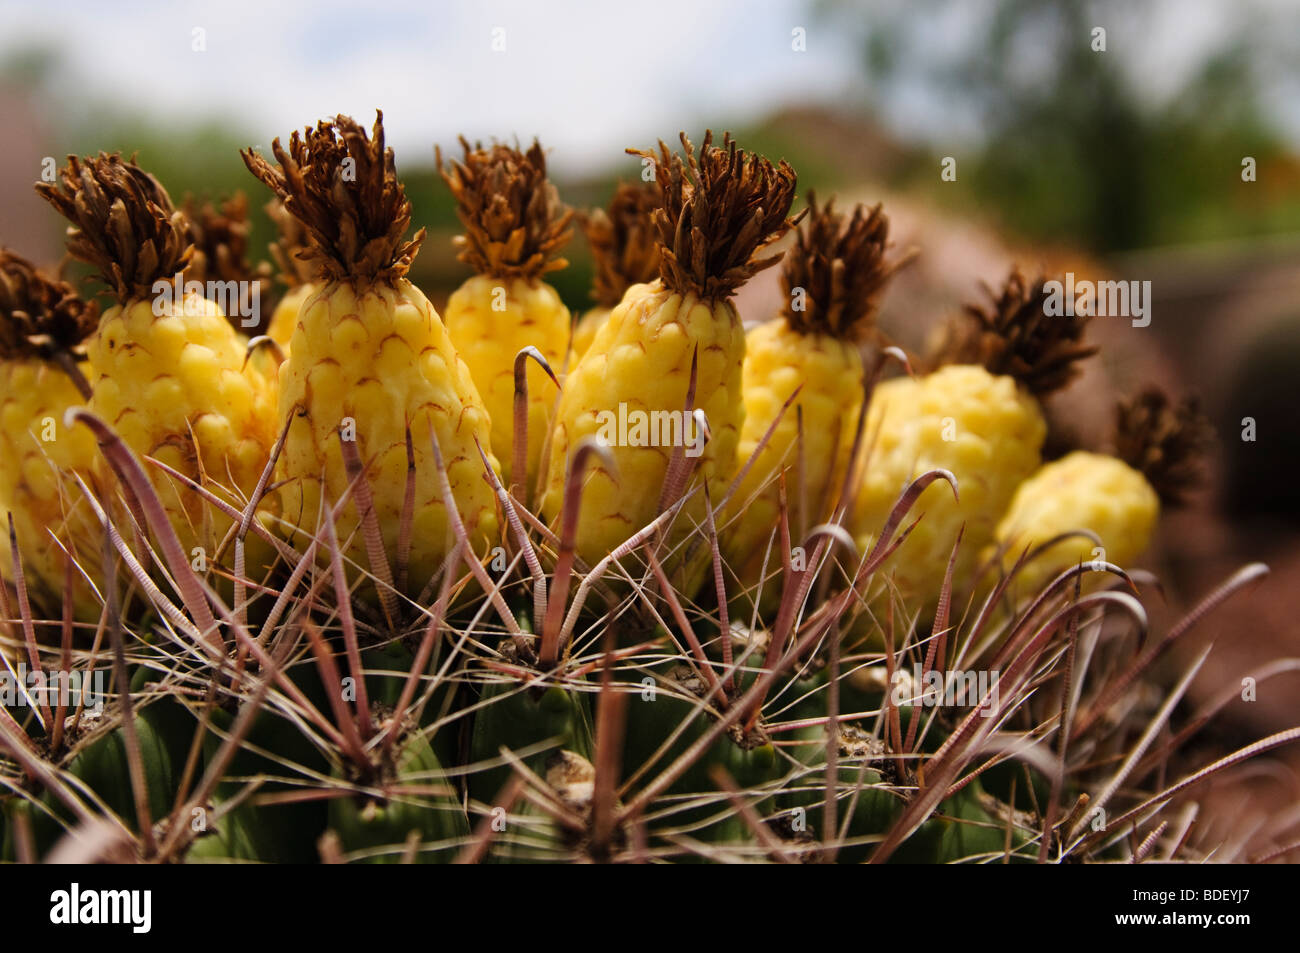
[386, 669]
[964, 830]
[378, 829]
[235, 838]
[284, 833]
[99, 761]
[652, 718]
[516, 718]
[875, 808]
[875, 805]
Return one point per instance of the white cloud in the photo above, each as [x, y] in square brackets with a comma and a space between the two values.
[588, 77]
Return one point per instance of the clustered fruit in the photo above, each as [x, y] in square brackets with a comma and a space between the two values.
[370, 572]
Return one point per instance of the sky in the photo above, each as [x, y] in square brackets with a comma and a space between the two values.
[585, 76]
[589, 77]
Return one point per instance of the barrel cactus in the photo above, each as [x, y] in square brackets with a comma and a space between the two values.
[525, 689]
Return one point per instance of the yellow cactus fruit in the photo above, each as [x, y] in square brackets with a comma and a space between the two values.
[977, 416]
[981, 427]
[831, 281]
[42, 326]
[515, 226]
[629, 391]
[370, 359]
[1117, 498]
[168, 372]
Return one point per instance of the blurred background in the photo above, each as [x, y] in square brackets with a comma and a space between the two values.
[1124, 162]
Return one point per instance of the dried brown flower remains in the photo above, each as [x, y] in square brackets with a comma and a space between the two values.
[342, 186]
[839, 263]
[290, 251]
[39, 316]
[123, 223]
[515, 223]
[219, 234]
[1165, 441]
[720, 209]
[1014, 335]
[623, 241]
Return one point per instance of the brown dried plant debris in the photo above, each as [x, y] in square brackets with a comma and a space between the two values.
[123, 223]
[342, 186]
[219, 233]
[1014, 335]
[839, 263]
[290, 251]
[721, 208]
[40, 317]
[1167, 442]
[623, 241]
[515, 223]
